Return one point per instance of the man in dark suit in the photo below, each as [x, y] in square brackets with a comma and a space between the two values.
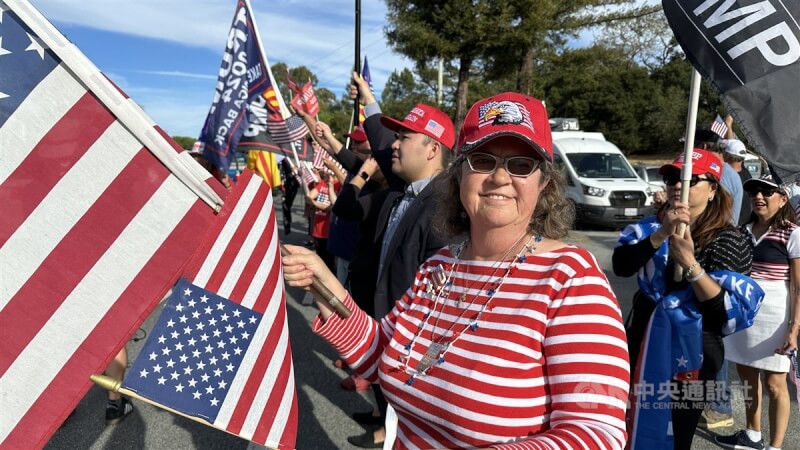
[410, 152]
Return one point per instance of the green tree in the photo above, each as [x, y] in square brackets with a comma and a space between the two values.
[405, 89]
[500, 37]
[335, 112]
[185, 142]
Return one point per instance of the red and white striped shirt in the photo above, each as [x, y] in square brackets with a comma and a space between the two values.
[773, 250]
[546, 368]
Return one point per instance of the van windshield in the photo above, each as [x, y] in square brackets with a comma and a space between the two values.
[600, 165]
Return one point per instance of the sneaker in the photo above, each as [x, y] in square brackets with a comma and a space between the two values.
[355, 383]
[366, 440]
[738, 441]
[117, 411]
[711, 419]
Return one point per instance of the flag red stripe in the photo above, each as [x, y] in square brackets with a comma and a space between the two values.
[252, 265]
[71, 382]
[257, 373]
[236, 241]
[53, 156]
[267, 420]
[265, 295]
[199, 257]
[61, 271]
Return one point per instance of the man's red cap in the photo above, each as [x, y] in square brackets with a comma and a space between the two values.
[703, 161]
[507, 114]
[427, 120]
[357, 134]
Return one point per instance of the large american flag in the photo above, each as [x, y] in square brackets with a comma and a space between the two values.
[220, 350]
[101, 210]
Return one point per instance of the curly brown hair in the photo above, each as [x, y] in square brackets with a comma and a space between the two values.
[552, 218]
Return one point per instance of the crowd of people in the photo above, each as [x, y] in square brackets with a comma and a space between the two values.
[477, 326]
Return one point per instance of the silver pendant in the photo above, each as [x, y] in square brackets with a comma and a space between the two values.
[431, 356]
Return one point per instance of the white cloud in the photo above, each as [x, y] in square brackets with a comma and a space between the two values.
[316, 33]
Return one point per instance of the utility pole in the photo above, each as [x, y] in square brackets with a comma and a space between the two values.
[441, 80]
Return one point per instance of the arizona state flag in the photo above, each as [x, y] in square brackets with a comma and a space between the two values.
[266, 165]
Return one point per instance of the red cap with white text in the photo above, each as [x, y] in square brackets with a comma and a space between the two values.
[703, 161]
[427, 120]
[507, 114]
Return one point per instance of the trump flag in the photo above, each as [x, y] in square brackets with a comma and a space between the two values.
[101, 212]
[242, 79]
[750, 53]
[220, 350]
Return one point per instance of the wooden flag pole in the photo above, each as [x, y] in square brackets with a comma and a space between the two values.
[113, 385]
[333, 302]
[110, 384]
[688, 150]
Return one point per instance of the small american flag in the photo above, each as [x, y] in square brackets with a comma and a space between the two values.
[323, 196]
[307, 173]
[284, 132]
[434, 127]
[320, 155]
[198, 344]
[220, 350]
[718, 127]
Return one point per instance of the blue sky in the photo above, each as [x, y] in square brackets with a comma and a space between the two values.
[166, 53]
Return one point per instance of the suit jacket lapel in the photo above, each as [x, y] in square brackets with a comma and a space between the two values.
[408, 219]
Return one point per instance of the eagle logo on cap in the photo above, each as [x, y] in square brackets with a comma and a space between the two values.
[502, 113]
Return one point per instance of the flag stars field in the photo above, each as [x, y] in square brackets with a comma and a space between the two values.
[191, 378]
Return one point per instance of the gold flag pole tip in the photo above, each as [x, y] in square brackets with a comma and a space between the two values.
[106, 382]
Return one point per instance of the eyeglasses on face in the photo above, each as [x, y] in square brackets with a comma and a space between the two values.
[517, 166]
[671, 179]
[766, 191]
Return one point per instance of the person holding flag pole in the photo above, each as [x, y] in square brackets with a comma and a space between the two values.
[691, 265]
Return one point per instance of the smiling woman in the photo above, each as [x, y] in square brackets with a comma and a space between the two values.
[768, 344]
[510, 338]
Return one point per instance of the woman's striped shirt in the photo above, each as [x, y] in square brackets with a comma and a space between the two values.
[546, 367]
[773, 250]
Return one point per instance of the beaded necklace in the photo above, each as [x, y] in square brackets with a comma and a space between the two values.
[438, 348]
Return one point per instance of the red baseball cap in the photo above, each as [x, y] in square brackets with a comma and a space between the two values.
[427, 120]
[507, 114]
[357, 134]
[703, 161]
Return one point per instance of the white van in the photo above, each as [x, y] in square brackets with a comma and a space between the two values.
[753, 165]
[600, 181]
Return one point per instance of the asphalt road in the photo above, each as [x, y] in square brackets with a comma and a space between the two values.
[324, 408]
